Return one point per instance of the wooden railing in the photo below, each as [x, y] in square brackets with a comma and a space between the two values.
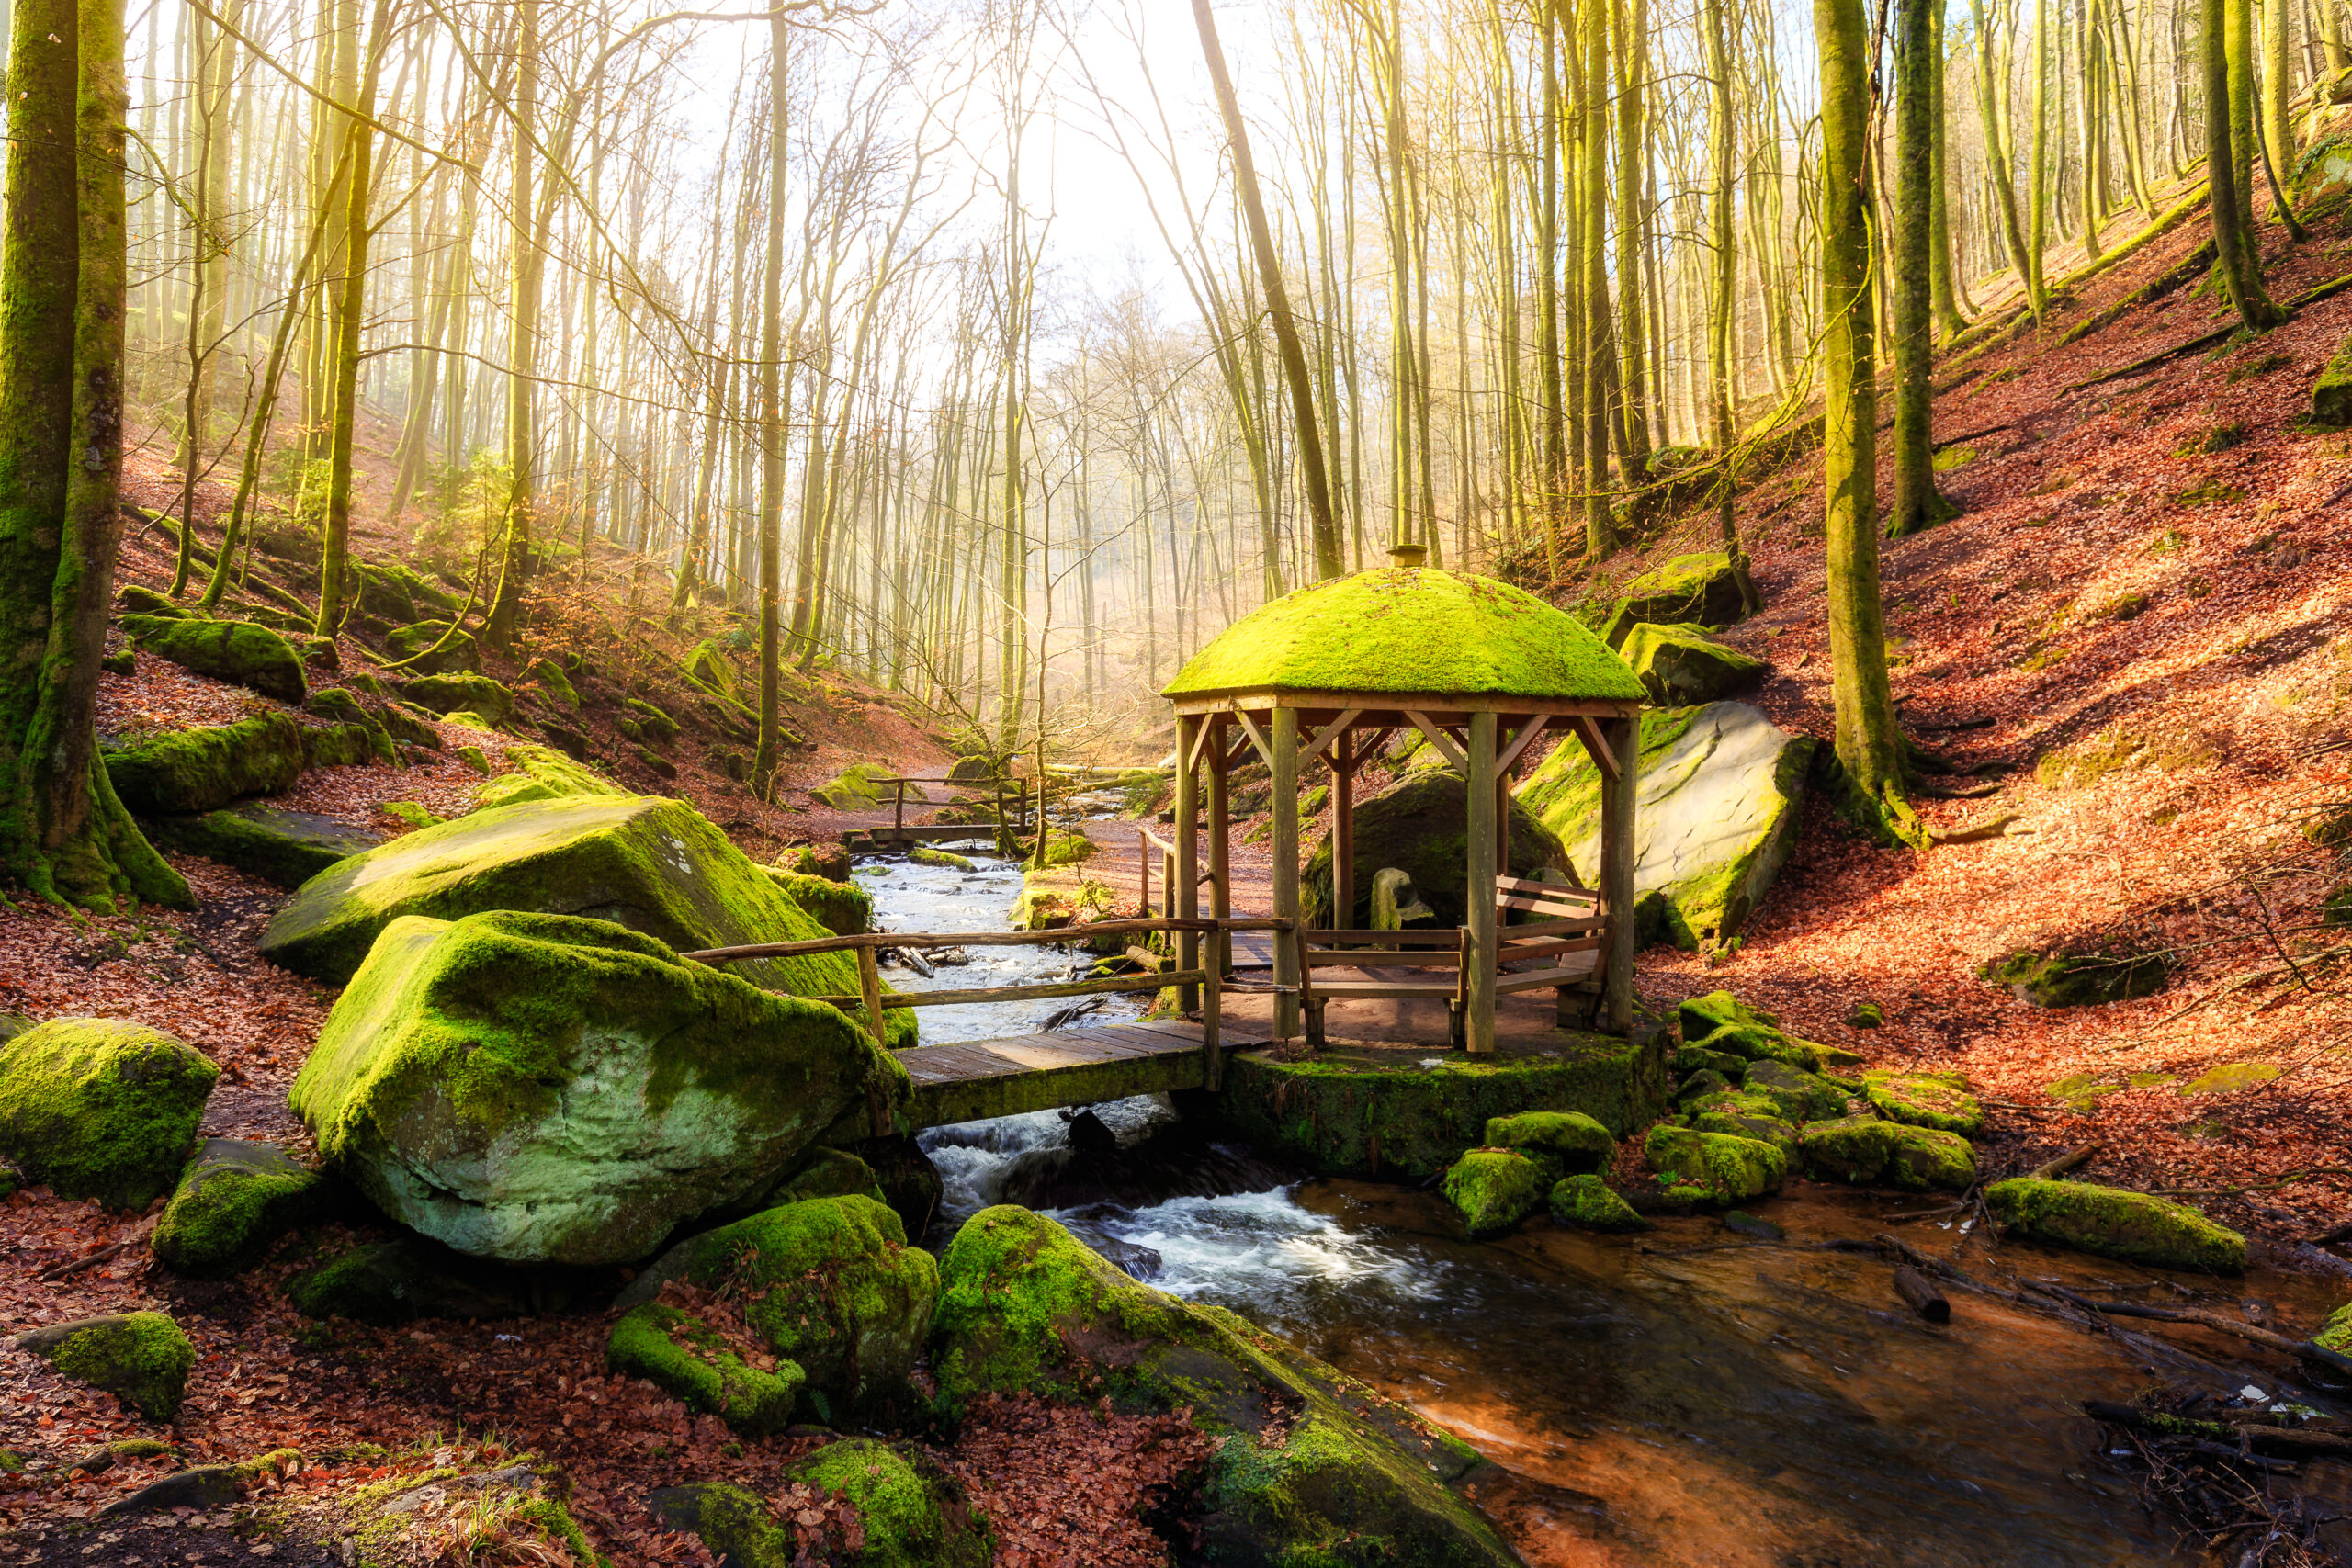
[872, 1002]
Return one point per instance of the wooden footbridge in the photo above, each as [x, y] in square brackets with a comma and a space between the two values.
[974, 1079]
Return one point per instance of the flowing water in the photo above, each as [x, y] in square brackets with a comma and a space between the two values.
[1690, 1396]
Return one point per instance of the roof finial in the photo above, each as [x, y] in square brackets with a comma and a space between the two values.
[1403, 554]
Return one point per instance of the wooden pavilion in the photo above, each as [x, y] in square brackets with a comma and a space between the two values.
[1480, 669]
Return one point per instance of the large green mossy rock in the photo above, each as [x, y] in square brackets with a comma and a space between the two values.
[460, 654]
[1866, 1150]
[547, 1088]
[1311, 1467]
[855, 788]
[910, 1513]
[141, 1357]
[2332, 393]
[828, 1285]
[1716, 816]
[1369, 1111]
[1576, 1141]
[1721, 1023]
[1714, 1167]
[2074, 980]
[1680, 666]
[2115, 1223]
[347, 712]
[843, 908]
[1493, 1189]
[652, 865]
[205, 768]
[1926, 1100]
[1588, 1202]
[494, 700]
[101, 1108]
[1697, 588]
[541, 772]
[235, 1200]
[235, 651]
[1742, 1115]
[284, 848]
[1419, 825]
[1800, 1096]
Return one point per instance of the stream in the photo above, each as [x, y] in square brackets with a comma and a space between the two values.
[1690, 1396]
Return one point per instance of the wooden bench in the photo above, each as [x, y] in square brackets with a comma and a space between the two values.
[1567, 938]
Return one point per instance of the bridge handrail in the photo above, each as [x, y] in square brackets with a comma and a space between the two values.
[872, 1003]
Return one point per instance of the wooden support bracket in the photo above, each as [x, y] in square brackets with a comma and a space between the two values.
[1528, 732]
[1598, 744]
[1438, 738]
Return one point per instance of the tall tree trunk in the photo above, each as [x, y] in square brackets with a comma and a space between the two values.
[1600, 537]
[1998, 156]
[1632, 65]
[2237, 255]
[772, 424]
[1943, 278]
[349, 316]
[523, 339]
[1917, 57]
[63, 293]
[1869, 746]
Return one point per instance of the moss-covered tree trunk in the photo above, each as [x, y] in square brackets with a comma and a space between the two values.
[2038, 171]
[1998, 150]
[523, 340]
[63, 277]
[1917, 61]
[1943, 281]
[771, 432]
[1633, 168]
[1600, 537]
[349, 315]
[2236, 256]
[1723, 152]
[1870, 746]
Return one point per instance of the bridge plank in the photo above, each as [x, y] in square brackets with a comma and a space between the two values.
[972, 1079]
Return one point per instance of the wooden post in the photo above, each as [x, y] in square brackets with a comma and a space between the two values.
[1478, 961]
[1143, 866]
[1220, 849]
[1185, 892]
[1212, 1009]
[1343, 832]
[1286, 802]
[869, 983]
[899, 812]
[1619, 848]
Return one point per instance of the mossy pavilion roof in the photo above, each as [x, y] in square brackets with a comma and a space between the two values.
[1408, 629]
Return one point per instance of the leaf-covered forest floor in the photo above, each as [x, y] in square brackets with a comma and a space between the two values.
[2159, 634]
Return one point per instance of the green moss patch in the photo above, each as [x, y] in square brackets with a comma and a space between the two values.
[1589, 1203]
[1721, 1022]
[540, 772]
[1680, 666]
[686, 1359]
[1926, 1100]
[448, 695]
[2068, 980]
[1865, 1150]
[236, 652]
[101, 1108]
[2232, 1077]
[205, 768]
[141, 1357]
[1576, 1140]
[1493, 1189]
[1726, 1170]
[1381, 630]
[235, 1199]
[910, 1512]
[2115, 1223]
[1371, 1110]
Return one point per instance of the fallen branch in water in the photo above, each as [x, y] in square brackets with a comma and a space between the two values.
[2303, 1350]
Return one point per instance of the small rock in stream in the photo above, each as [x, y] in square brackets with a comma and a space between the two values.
[1751, 1225]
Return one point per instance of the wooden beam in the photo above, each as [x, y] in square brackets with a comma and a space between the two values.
[1438, 738]
[1332, 731]
[1620, 845]
[1220, 861]
[1204, 738]
[1184, 902]
[1285, 760]
[1261, 700]
[1484, 835]
[1258, 736]
[1111, 985]
[1528, 732]
[1597, 744]
[1344, 831]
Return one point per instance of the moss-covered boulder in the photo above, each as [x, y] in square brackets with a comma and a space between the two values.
[549, 1088]
[843, 908]
[1800, 1096]
[709, 667]
[285, 847]
[1588, 1202]
[658, 727]
[1716, 815]
[1926, 1100]
[2115, 1223]
[1699, 1058]
[1495, 1189]
[695, 1364]
[2336, 1334]
[541, 772]
[855, 788]
[235, 651]
[235, 1200]
[410, 725]
[942, 860]
[343, 708]
[1713, 1166]
[908, 1513]
[829, 1173]
[1721, 1022]
[652, 865]
[1311, 1467]
[1867, 1150]
[459, 654]
[1576, 1140]
[2075, 980]
[2332, 393]
[1369, 1111]
[1742, 1115]
[1064, 848]
[494, 700]
[828, 1285]
[205, 768]
[1680, 666]
[548, 676]
[141, 1358]
[1418, 825]
[101, 1108]
[1697, 588]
